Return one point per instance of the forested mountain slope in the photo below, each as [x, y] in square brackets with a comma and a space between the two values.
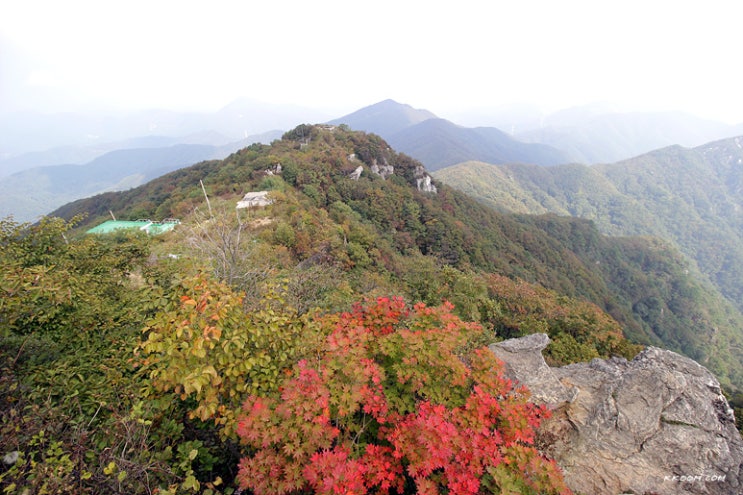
[36, 191]
[439, 143]
[381, 232]
[693, 198]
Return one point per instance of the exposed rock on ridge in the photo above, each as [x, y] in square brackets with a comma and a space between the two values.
[384, 170]
[423, 181]
[658, 424]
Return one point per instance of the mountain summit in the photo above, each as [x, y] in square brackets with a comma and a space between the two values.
[439, 143]
[384, 118]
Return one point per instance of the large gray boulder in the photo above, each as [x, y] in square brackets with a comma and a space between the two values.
[658, 424]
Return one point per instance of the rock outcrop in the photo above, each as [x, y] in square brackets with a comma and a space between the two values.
[356, 173]
[423, 180]
[658, 424]
[384, 170]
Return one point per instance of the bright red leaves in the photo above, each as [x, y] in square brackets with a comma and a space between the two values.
[389, 406]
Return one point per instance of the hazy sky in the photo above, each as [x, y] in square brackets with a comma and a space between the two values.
[342, 55]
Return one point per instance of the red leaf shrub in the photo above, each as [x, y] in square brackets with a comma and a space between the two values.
[391, 407]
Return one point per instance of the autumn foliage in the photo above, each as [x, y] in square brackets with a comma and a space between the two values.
[211, 353]
[394, 404]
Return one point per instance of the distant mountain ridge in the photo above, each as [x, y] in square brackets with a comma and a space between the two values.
[384, 118]
[30, 132]
[35, 192]
[591, 134]
[438, 143]
[148, 143]
[79, 155]
[586, 135]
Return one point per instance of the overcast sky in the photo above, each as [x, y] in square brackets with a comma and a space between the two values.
[341, 55]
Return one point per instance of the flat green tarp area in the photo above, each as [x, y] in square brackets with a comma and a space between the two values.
[153, 228]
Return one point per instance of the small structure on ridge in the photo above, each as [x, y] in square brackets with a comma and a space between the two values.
[145, 225]
[253, 199]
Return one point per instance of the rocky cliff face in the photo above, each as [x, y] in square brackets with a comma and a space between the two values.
[658, 424]
[422, 179]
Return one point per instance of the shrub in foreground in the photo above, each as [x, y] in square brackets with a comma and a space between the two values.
[395, 404]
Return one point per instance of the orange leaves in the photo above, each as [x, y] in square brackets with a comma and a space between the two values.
[212, 333]
[200, 304]
[487, 371]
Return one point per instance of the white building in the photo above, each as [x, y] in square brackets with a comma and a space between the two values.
[253, 199]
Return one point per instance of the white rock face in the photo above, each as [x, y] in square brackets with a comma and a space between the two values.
[423, 181]
[384, 170]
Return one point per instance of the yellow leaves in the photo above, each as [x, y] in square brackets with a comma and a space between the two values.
[191, 483]
[211, 377]
[205, 330]
[199, 352]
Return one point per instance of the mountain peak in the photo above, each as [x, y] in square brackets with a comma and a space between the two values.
[385, 117]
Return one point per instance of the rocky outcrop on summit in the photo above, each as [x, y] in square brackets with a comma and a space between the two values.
[658, 424]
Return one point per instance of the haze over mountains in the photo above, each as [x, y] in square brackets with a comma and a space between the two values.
[438, 143]
[34, 192]
[50, 159]
[24, 132]
[580, 135]
[590, 135]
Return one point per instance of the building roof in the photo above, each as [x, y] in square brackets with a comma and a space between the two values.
[152, 228]
[255, 198]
